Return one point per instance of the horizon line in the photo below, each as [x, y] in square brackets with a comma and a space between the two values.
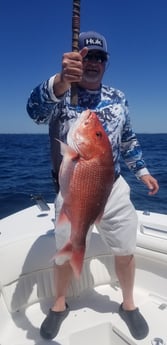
[44, 133]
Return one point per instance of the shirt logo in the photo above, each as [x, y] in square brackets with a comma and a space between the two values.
[92, 41]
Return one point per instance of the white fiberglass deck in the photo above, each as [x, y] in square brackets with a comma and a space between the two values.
[27, 289]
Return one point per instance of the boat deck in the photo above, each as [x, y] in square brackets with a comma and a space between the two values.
[27, 285]
[93, 318]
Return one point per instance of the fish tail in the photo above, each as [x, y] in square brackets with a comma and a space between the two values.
[76, 261]
[66, 251]
[76, 257]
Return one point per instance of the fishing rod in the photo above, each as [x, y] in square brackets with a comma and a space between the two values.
[75, 43]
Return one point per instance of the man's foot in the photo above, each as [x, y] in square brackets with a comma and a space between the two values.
[51, 325]
[136, 323]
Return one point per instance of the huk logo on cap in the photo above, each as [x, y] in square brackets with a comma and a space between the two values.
[92, 41]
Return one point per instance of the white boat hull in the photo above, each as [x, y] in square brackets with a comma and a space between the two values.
[27, 289]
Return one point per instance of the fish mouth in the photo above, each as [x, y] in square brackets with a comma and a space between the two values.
[88, 121]
[81, 142]
[76, 138]
[90, 116]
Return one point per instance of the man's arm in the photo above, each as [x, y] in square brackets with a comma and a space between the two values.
[133, 157]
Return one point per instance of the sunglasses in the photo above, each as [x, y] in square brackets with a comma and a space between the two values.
[100, 58]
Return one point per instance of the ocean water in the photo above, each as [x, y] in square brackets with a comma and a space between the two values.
[25, 169]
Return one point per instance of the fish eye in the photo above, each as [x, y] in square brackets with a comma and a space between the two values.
[99, 134]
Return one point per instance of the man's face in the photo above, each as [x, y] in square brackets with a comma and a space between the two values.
[93, 69]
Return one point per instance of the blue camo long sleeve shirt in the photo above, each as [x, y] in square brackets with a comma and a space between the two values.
[112, 109]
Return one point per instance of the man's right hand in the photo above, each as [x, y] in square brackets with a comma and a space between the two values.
[72, 70]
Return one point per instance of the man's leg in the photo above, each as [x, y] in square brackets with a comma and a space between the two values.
[125, 270]
[51, 325]
[62, 278]
[118, 228]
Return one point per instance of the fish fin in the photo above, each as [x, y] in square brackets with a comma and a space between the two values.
[66, 149]
[76, 257]
[66, 250]
[76, 261]
[62, 218]
[98, 219]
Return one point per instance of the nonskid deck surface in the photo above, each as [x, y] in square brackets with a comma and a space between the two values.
[93, 318]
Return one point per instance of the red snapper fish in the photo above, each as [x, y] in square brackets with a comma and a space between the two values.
[86, 177]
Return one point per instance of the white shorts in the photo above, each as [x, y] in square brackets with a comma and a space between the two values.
[117, 227]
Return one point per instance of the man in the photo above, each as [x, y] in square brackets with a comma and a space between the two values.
[50, 103]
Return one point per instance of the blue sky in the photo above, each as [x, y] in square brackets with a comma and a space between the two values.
[34, 34]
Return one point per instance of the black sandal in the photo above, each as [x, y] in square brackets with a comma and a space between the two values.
[51, 325]
[136, 323]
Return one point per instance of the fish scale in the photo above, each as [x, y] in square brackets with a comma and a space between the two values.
[86, 192]
[86, 178]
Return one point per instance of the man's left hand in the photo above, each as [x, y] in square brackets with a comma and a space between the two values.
[151, 183]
